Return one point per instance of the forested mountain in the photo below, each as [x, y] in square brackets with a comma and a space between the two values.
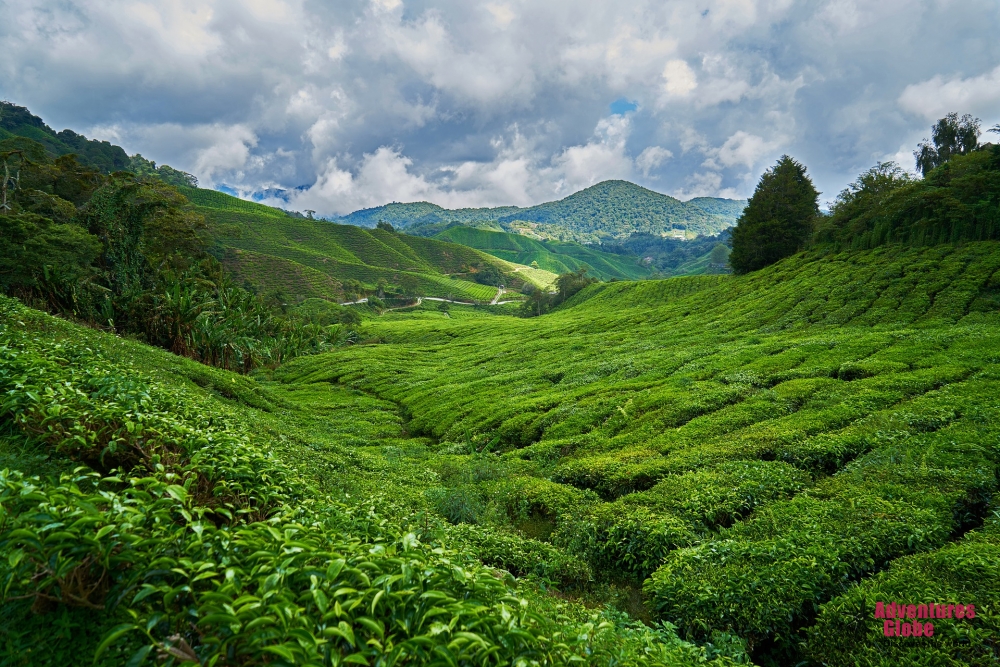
[607, 211]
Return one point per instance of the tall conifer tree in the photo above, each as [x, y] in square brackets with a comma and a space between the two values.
[778, 218]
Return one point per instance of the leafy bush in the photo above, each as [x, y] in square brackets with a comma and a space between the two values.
[966, 572]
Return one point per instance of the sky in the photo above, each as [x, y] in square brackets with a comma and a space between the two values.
[341, 105]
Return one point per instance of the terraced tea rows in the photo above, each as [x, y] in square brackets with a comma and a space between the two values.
[754, 446]
[307, 258]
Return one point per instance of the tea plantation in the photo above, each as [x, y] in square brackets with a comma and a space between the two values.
[698, 470]
[306, 258]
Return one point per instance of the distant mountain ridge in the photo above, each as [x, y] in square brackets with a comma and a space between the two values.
[606, 211]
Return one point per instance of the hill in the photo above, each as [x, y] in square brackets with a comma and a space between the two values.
[806, 440]
[608, 210]
[305, 258]
[777, 468]
[17, 121]
[554, 256]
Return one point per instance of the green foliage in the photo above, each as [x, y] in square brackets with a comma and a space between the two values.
[554, 256]
[567, 286]
[778, 219]
[749, 461]
[958, 201]
[758, 443]
[309, 258]
[952, 136]
[965, 572]
[720, 254]
[39, 257]
[193, 543]
[489, 275]
[100, 155]
[140, 166]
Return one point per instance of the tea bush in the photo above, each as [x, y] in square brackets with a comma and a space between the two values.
[191, 543]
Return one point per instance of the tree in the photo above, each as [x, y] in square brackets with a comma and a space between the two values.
[570, 283]
[952, 136]
[489, 275]
[863, 205]
[778, 219]
[385, 226]
[720, 254]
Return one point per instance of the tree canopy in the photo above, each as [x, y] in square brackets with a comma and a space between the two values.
[778, 219]
[951, 136]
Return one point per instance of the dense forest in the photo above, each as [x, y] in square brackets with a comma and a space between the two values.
[205, 460]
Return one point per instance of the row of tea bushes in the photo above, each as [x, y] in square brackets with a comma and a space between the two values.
[847, 633]
[195, 544]
[766, 577]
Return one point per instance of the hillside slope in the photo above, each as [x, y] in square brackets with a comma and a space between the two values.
[212, 516]
[554, 256]
[608, 210]
[313, 258]
[17, 121]
[798, 441]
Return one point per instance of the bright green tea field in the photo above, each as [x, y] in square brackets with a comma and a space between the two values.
[698, 470]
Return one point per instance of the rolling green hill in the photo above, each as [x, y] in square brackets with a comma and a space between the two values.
[608, 210]
[703, 470]
[554, 256]
[307, 258]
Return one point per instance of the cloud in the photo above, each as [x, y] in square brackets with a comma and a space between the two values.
[520, 174]
[678, 79]
[350, 101]
[743, 148]
[652, 157]
[937, 96]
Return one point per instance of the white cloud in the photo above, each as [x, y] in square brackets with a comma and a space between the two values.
[207, 151]
[651, 158]
[372, 95]
[502, 14]
[743, 149]
[678, 79]
[938, 96]
[702, 184]
[519, 174]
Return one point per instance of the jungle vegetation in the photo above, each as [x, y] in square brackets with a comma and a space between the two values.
[710, 469]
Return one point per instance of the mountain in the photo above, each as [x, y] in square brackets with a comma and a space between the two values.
[555, 256]
[606, 211]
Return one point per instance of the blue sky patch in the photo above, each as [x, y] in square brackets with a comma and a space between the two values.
[622, 106]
